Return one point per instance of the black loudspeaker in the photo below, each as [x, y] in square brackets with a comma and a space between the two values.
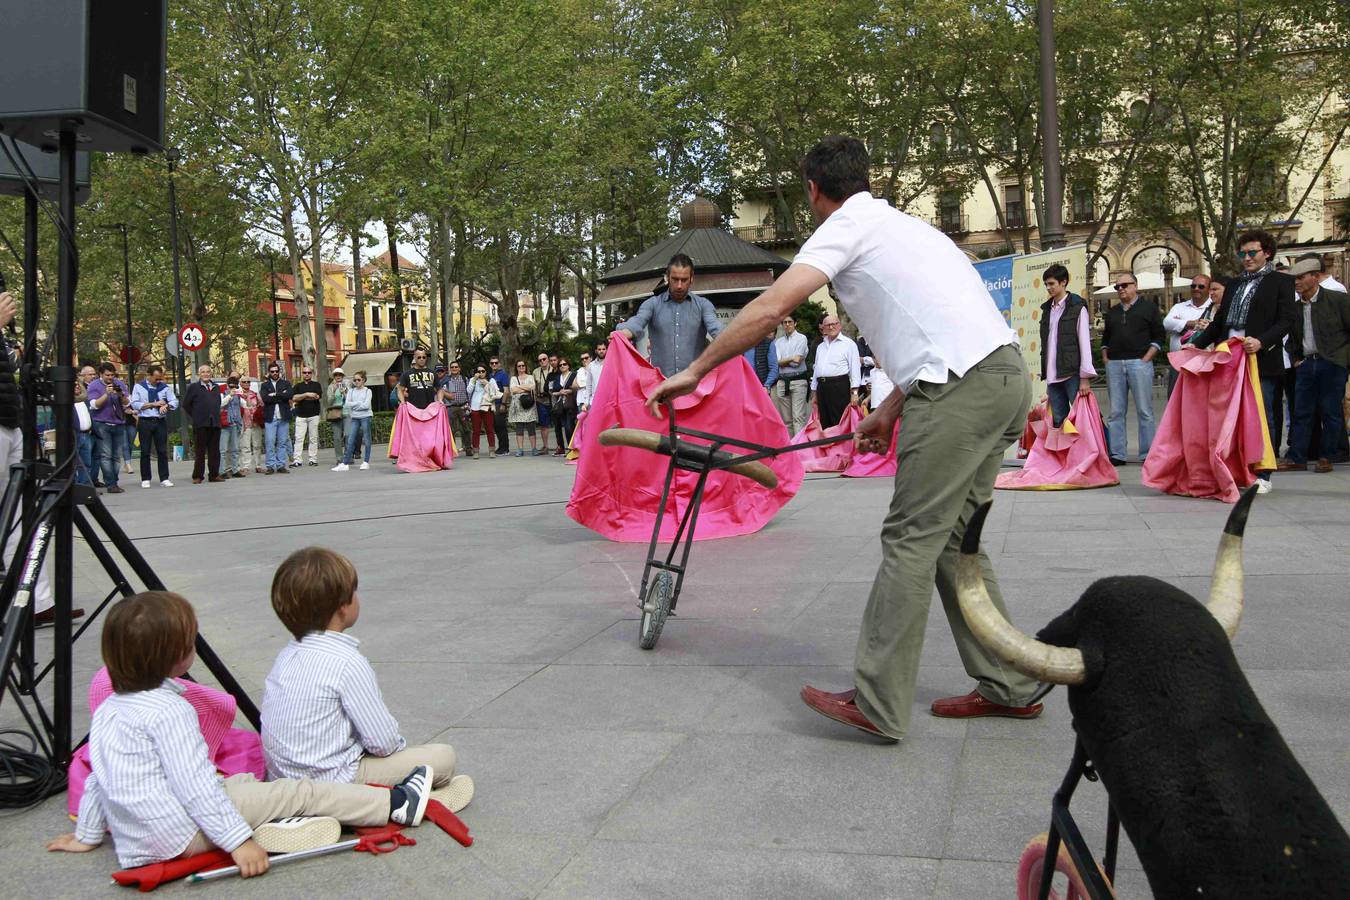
[42, 167]
[98, 64]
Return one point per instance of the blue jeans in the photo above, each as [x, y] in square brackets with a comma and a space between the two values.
[1061, 395]
[277, 440]
[108, 443]
[1270, 398]
[229, 449]
[357, 429]
[84, 445]
[1318, 390]
[129, 439]
[1132, 376]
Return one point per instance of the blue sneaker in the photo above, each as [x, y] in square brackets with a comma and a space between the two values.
[408, 799]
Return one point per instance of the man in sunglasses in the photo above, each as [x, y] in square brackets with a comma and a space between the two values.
[305, 402]
[276, 393]
[1183, 319]
[1258, 308]
[1132, 335]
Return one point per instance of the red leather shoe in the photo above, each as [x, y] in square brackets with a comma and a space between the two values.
[972, 706]
[842, 709]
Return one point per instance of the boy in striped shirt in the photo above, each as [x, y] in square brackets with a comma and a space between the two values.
[153, 785]
[323, 716]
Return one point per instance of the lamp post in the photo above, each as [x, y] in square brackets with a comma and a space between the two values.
[173, 154]
[1169, 268]
[1052, 218]
[126, 291]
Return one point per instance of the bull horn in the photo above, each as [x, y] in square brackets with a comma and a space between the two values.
[1057, 665]
[1225, 592]
[657, 443]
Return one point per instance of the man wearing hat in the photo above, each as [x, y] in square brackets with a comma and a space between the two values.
[333, 397]
[1319, 346]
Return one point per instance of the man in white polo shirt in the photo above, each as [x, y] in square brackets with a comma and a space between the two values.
[965, 392]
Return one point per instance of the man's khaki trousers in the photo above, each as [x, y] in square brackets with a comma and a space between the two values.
[951, 443]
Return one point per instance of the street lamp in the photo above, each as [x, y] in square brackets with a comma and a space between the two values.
[1169, 268]
[126, 290]
[173, 154]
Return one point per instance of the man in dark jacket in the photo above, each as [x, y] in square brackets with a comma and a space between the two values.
[1132, 335]
[1319, 345]
[276, 393]
[1258, 308]
[201, 404]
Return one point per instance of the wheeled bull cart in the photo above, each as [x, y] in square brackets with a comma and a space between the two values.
[662, 576]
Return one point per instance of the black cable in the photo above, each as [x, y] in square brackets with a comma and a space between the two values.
[27, 777]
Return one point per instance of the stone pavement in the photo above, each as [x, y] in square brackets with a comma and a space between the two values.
[497, 624]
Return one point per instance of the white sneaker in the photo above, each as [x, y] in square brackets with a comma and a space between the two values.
[365, 465]
[145, 484]
[455, 795]
[298, 833]
[1263, 486]
[166, 483]
[341, 467]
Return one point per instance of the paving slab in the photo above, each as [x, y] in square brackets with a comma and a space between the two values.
[497, 624]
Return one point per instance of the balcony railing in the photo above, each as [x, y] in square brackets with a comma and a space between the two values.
[1020, 218]
[952, 224]
[760, 234]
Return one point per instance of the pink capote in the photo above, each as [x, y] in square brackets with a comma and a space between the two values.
[1070, 457]
[617, 489]
[1213, 436]
[421, 438]
[842, 457]
[233, 750]
[831, 457]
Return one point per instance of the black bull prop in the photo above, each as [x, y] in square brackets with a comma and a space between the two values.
[1210, 795]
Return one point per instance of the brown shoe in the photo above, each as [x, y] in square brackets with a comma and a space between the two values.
[48, 616]
[196, 481]
[219, 478]
[258, 470]
[972, 706]
[1324, 466]
[842, 709]
[1288, 465]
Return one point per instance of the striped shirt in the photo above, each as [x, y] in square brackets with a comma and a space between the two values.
[322, 710]
[153, 784]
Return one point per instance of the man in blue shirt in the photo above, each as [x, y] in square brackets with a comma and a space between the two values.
[681, 322]
[499, 405]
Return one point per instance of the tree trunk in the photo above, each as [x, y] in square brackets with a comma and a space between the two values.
[449, 261]
[301, 299]
[320, 361]
[358, 301]
[434, 320]
[397, 284]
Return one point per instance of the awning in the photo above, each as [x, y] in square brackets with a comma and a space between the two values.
[374, 363]
[705, 283]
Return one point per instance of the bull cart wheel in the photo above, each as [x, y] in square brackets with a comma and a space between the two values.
[655, 609]
[1031, 871]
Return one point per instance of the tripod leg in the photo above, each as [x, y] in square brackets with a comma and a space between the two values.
[118, 538]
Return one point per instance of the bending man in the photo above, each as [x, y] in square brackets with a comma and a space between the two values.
[964, 388]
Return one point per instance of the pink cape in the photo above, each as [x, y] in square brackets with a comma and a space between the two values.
[617, 489]
[842, 457]
[1213, 436]
[421, 438]
[1070, 457]
[233, 750]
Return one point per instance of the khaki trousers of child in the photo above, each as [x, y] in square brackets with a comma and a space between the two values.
[395, 767]
[260, 802]
[952, 438]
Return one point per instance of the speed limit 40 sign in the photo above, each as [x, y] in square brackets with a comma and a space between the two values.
[192, 337]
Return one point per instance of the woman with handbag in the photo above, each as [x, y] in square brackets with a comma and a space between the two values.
[333, 413]
[565, 406]
[522, 413]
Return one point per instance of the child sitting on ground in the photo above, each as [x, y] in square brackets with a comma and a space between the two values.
[154, 787]
[323, 716]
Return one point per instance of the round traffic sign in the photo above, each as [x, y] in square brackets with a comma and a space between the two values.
[192, 336]
[129, 354]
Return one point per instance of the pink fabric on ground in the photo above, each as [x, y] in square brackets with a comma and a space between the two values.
[617, 489]
[233, 750]
[831, 457]
[421, 438]
[1213, 434]
[1072, 456]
